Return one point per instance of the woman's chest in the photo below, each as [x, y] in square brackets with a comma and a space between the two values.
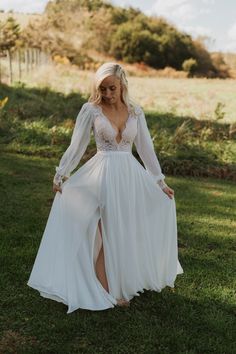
[103, 128]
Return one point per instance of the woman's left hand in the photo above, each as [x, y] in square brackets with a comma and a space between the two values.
[169, 191]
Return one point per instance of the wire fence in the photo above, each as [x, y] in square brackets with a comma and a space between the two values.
[15, 64]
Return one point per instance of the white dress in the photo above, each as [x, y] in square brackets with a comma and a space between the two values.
[138, 220]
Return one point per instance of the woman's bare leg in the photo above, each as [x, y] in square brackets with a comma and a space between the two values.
[100, 265]
[101, 273]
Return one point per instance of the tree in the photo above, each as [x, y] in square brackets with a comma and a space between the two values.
[205, 65]
[134, 44]
[190, 66]
[219, 63]
[9, 34]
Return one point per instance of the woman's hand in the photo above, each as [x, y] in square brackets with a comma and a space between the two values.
[169, 191]
[56, 188]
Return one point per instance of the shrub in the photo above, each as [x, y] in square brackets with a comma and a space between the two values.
[134, 44]
[190, 66]
[219, 112]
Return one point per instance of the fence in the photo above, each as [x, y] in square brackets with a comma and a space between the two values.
[14, 64]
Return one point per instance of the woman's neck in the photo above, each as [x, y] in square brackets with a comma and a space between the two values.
[116, 106]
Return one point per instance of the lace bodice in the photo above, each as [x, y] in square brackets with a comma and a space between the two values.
[92, 118]
[106, 135]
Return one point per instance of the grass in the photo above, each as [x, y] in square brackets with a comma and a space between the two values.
[196, 317]
[40, 121]
[194, 97]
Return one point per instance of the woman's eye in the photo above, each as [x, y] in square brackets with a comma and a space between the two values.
[113, 88]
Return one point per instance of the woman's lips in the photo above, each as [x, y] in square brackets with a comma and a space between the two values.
[109, 99]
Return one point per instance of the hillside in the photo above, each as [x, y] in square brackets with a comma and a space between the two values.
[79, 30]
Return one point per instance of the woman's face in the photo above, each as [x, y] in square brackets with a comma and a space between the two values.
[110, 89]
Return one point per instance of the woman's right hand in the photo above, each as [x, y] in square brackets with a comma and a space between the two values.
[56, 188]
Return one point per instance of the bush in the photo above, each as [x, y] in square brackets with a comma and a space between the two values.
[219, 112]
[190, 66]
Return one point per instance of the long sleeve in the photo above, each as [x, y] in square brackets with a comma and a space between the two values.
[145, 149]
[79, 142]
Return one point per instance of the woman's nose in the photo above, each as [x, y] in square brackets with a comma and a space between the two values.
[108, 93]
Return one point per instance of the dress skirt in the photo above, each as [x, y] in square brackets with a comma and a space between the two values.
[139, 235]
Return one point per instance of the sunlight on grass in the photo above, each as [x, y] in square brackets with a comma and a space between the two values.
[185, 97]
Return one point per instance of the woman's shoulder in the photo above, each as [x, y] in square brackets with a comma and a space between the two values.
[87, 106]
[90, 106]
[88, 109]
[93, 107]
[137, 109]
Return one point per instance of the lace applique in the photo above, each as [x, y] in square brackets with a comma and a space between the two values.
[106, 135]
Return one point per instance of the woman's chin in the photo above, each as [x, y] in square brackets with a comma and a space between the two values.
[110, 101]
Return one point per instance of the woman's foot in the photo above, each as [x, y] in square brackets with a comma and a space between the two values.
[122, 302]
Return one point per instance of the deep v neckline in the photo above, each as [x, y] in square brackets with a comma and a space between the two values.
[115, 128]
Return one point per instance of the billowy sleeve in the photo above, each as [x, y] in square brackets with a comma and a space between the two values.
[145, 148]
[79, 142]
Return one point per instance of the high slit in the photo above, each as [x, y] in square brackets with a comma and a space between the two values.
[101, 249]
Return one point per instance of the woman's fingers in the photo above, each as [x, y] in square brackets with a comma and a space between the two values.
[56, 188]
[170, 192]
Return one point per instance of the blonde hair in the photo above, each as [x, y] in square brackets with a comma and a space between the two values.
[105, 70]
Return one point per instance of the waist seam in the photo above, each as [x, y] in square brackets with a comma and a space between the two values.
[113, 152]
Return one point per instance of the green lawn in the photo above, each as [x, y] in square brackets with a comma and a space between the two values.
[196, 317]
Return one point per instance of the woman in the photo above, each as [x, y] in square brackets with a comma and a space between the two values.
[111, 231]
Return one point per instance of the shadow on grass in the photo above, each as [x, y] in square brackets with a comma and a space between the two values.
[170, 122]
[34, 103]
[203, 148]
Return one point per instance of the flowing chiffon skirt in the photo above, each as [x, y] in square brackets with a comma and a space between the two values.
[139, 235]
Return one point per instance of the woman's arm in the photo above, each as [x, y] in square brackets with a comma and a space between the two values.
[79, 142]
[145, 149]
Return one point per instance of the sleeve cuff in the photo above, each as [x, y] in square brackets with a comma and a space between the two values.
[58, 178]
[157, 178]
[162, 184]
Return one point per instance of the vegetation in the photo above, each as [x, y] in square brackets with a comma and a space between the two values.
[76, 29]
[9, 35]
[40, 122]
[230, 60]
[190, 66]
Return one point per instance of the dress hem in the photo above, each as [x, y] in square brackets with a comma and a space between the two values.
[53, 295]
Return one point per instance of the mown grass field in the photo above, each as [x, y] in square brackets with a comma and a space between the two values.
[183, 97]
[196, 317]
